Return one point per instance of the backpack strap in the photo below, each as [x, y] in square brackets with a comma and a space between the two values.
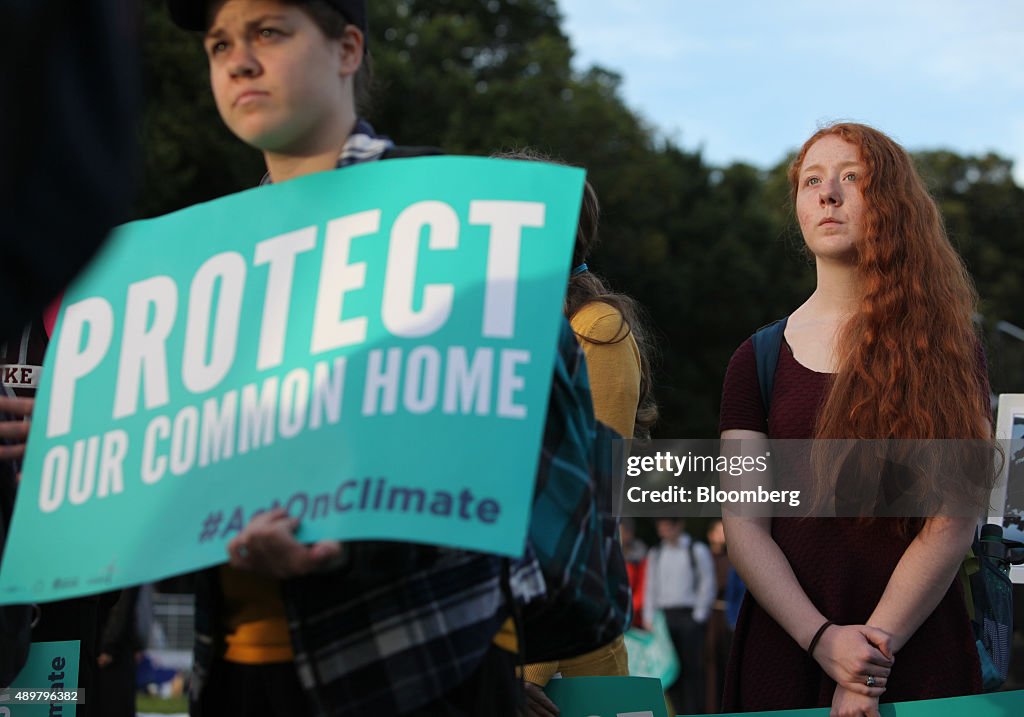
[767, 342]
[693, 567]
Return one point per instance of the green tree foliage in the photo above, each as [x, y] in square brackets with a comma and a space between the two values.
[711, 252]
[984, 213]
[189, 156]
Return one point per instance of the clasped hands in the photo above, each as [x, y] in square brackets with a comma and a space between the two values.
[850, 654]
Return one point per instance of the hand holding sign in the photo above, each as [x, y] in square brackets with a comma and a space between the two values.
[539, 704]
[14, 431]
[268, 546]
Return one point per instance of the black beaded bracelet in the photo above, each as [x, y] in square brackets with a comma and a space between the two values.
[817, 637]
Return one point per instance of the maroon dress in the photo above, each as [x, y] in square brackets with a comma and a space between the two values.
[843, 565]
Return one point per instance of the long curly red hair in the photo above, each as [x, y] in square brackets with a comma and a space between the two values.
[909, 359]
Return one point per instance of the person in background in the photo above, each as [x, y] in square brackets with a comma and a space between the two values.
[119, 646]
[719, 632]
[635, 552]
[611, 330]
[681, 583]
[734, 592]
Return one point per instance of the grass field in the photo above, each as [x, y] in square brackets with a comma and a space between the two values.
[160, 705]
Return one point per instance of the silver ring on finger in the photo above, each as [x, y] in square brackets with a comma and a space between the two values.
[870, 681]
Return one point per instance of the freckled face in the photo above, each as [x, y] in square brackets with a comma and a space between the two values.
[829, 203]
[278, 82]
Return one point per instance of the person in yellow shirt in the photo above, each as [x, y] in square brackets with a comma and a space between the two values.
[614, 339]
[613, 335]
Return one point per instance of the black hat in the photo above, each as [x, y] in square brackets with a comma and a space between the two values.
[191, 14]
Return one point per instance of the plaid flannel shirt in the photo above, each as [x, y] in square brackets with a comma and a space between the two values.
[402, 624]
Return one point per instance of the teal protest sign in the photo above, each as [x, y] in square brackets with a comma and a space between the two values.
[642, 697]
[369, 348]
[48, 683]
[996, 704]
[652, 654]
[607, 697]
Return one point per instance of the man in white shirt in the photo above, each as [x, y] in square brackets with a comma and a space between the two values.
[681, 583]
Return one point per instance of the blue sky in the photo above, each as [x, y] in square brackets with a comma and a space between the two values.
[747, 80]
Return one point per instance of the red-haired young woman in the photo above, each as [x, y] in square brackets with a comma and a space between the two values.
[883, 349]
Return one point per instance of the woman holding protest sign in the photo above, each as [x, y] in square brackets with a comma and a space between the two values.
[285, 76]
[847, 612]
[293, 629]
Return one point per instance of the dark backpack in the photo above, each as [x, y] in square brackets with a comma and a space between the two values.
[573, 529]
[988, 592]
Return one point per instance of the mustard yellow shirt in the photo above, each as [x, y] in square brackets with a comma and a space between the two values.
[256, 627]
[613, 368]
